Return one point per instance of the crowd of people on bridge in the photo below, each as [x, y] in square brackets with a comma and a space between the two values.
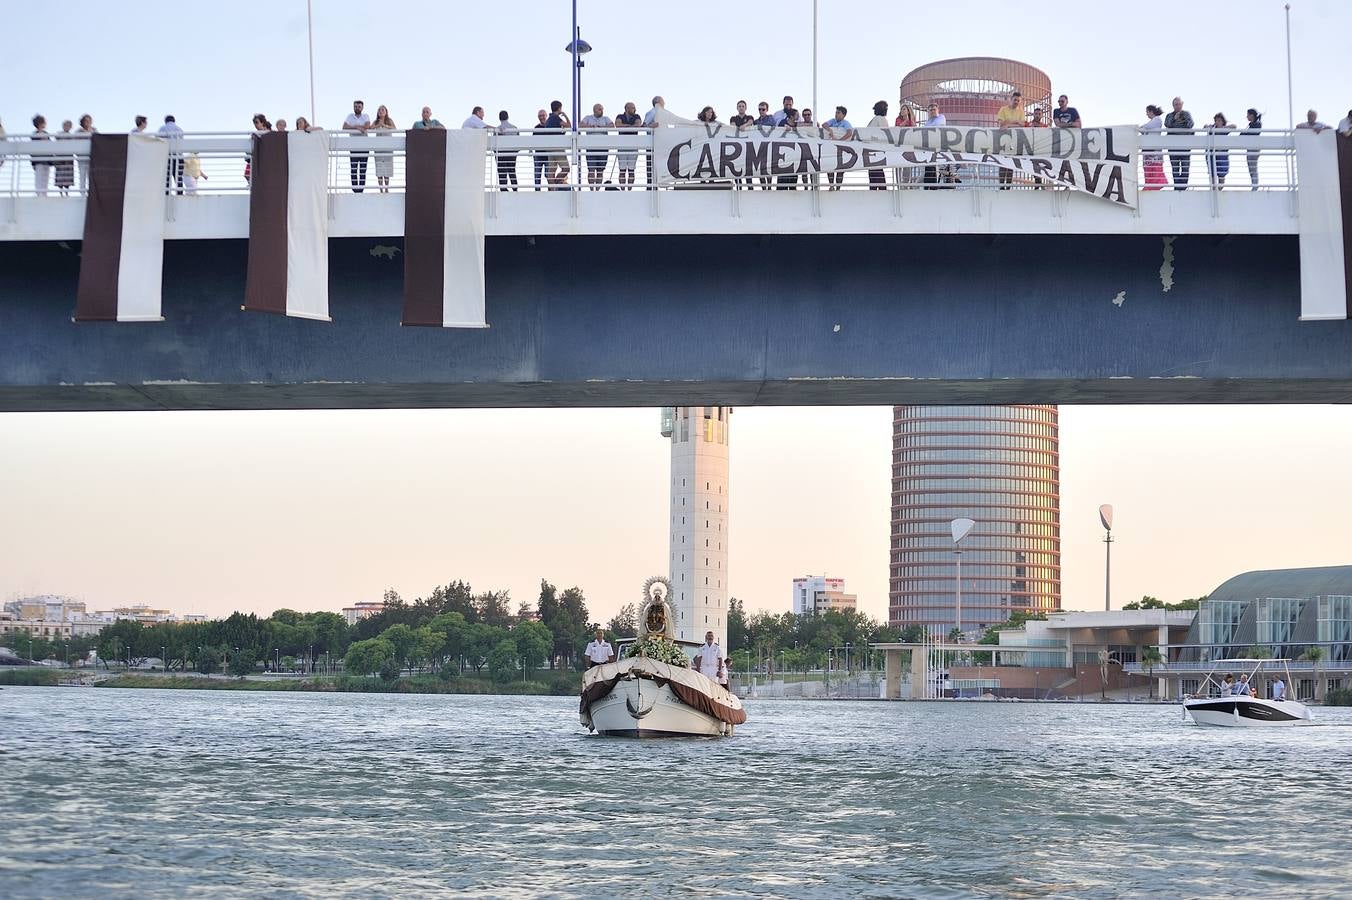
[552, 169]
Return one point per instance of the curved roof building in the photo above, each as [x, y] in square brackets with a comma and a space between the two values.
[1312, 582]
[971, 89]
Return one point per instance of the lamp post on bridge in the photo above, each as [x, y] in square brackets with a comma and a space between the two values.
[577, 48]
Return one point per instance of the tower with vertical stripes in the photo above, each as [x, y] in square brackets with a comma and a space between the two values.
[699, 519]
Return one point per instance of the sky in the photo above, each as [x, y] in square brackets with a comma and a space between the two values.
[211, 512]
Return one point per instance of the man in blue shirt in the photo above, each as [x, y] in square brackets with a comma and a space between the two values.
[838, 129]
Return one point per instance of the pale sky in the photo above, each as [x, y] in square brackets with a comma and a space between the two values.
[210, 512]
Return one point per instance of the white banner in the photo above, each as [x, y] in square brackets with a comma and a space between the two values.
[1096, 161]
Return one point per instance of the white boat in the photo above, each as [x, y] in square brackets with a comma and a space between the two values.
[640, 696]
[1244, 711]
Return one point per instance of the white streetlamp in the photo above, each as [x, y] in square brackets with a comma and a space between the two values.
[960, 529]
[1106, 518]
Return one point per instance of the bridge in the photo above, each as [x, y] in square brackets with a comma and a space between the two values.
[660, 295]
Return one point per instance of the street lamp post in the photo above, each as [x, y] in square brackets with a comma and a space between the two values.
[848, 681]
[1106, 518]
[960, 529]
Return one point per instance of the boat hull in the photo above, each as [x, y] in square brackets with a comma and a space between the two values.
[639, 707]
[1247, 712]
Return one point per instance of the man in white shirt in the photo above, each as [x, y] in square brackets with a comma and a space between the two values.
[709, 659]
[1279, 689]
[650, 117]
[596, 160]
[935, 119]
[173, 176]
[358, 123]
[599, 651]
[476, 119]
[1312, 122]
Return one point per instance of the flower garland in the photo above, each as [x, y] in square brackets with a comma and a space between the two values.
[660, 650]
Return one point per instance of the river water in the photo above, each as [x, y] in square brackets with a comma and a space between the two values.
[158, 793]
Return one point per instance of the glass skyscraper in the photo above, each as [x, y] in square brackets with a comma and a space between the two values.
[997, 465]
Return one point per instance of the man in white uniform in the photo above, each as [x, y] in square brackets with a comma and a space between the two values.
[599, 651]
[709, 659]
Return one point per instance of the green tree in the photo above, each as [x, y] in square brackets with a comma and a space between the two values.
[502, 660]
[208, 659]
[368, 657]
[480, 641]
[494, 608]
[625, 622]
[454, 628]
[1314, 655]
[402, 639]
[1150, 658]
[427, 646]
[242, 662]
[912, 634]
[533, 643]
[738, 636]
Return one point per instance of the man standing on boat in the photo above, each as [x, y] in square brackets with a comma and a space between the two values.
[599, 652]
[709, 659]
[1278, 689]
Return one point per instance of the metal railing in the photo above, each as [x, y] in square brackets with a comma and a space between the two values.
[609, 160]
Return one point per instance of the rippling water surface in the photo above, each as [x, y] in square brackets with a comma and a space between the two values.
[156, 793]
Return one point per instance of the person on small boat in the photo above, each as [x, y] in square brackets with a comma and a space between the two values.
[1228, 685]
[709, 659]
[599, 652]
[1243, 689]
[1278, 689]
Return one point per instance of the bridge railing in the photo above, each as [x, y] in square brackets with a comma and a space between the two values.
[1232, 162]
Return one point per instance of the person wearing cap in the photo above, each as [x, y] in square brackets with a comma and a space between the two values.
[599, 652]
[1010, 116]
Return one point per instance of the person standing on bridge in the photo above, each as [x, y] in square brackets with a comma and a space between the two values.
[877, 178]
[42, 165]
[1152, 162]
[1011, 116]
[173, 176]
[626, 161]
[650, 120]
[86, 130]
[476, 119]
[1312, 122]
[427, 122]
[557, 169]
[358, 123]
[1218, 161]
[838, 123]
[1065, 115]
[1255, 127]
[65, 165]
[506, 158]
[1179, 122]
[935, 120]
[597, 159]
[541, 159]
[383, 126]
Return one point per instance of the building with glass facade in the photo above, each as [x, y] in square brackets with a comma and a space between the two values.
[999, 466]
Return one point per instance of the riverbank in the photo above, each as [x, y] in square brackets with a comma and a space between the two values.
[559, 684]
